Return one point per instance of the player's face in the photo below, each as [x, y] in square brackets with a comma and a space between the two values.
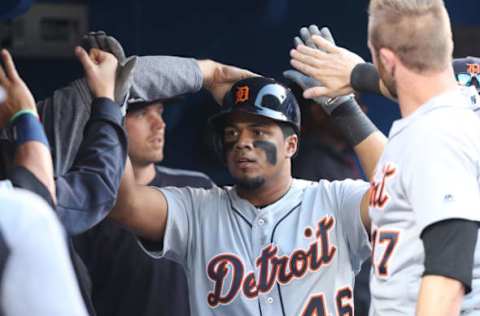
[256, 150]
[146, 134]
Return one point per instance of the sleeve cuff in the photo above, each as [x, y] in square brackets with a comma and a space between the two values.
[106, 109]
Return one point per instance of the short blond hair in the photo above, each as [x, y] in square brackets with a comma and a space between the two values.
[417, 31]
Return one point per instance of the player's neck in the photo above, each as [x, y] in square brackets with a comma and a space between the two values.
[415, 90]
[144, 173]
[271, 191]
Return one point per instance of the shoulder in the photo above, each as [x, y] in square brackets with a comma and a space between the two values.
[455, 124]
[23, 212]
[194, 194]
[338, 188]
[182, 177]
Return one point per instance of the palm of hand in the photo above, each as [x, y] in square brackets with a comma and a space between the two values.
[223, 78]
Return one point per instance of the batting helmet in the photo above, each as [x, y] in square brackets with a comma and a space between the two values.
[259, 96]
[467, 71]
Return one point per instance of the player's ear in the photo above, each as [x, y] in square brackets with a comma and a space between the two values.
[388, 59]
[291, 145]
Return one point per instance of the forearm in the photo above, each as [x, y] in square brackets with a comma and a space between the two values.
[87, 192]
[159, 77]
[35, 157]
[124, 207]
[32, 148]
[439, 296]
[367, 141]
[369, 152]
[140, 208]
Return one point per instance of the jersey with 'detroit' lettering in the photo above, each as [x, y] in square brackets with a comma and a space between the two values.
[429, 172]
[297, 256]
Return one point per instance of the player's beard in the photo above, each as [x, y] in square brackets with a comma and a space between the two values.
[387, 79]
[249, 184]
[254, 183]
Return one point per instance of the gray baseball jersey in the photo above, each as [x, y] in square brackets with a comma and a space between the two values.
[429, 172]
[296, 256]
[36, 274]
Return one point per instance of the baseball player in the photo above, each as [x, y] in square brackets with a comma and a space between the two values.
[36, 275]
[125, 280]
[270, 245]
[33, 251]
[424, 230]
[103, 144]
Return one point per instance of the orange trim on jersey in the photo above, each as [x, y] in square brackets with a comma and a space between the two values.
[388, 252]
[350, 310]
[315, 306]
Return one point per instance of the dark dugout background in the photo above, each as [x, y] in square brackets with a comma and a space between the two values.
[253, 34]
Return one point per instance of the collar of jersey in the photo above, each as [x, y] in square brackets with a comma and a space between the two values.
[446, 99]
[275, 210]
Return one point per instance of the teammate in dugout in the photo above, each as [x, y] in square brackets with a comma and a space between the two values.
[271, 244]
[425, 230]
[29, 230]
[125, 280]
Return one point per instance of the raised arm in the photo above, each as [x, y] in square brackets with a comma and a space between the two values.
[87, 191]
[32, 155]
[141, 208]
[356, 127]
[340, 70]
[367, 141]
[144, 209]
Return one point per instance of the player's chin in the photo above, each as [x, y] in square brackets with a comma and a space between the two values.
[154, 156]
[249, 182]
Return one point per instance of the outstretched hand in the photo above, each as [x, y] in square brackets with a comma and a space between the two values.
[328, 63]
[18, 96]
[126, 65]
[219, 78]
[100, 69]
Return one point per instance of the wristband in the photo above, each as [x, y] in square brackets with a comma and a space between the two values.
[21, 112]
[27, 127]
[352, 122]
[365, 78]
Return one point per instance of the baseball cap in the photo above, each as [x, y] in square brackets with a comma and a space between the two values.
[467, 71]
[136, 104]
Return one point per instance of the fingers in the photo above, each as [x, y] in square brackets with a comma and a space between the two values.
[95, 55]
[316, 92]
[3, 78]
[326, 34]
[314, 30]
[99, 56]
[9, 66]
[306, 37]
[324, 44]
[94, 39]
[3, 95]
[303, 67]
[85, 59]
[297, 41]
[307, 55]
[116, 48]
[239, 74]
[300, 79]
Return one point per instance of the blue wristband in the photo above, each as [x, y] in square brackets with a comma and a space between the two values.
[28, 128]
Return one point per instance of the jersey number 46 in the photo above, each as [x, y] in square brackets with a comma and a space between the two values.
[316, 305]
